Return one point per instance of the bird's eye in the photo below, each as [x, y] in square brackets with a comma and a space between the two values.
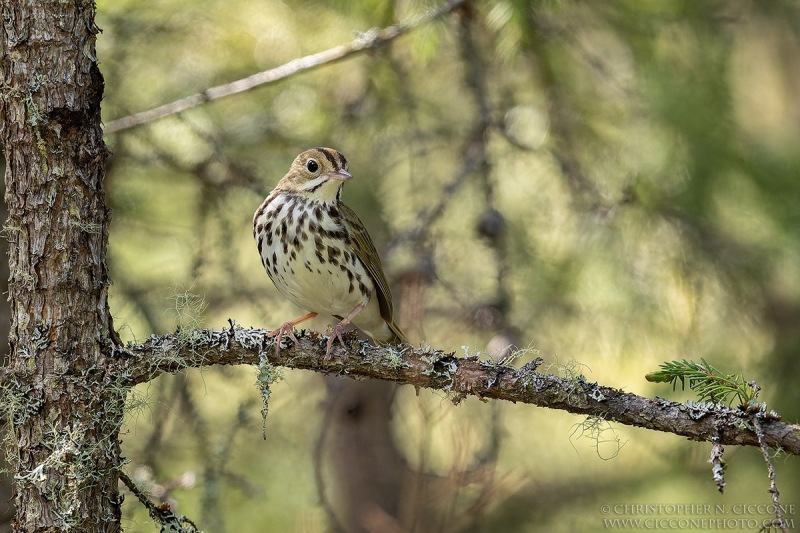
[312, 165]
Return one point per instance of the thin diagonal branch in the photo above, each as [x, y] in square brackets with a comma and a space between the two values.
[459, 377]
[162, 515]
[370, 39]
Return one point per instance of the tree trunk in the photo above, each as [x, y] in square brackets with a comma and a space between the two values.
[65, 409]
[369, 471]
[6, 480]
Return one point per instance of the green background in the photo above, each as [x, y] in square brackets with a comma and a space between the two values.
[642, 155]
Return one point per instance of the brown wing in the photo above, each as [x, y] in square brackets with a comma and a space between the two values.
[368, 255]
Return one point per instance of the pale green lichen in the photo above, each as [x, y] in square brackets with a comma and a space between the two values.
[266, 375]
[189, 310]
[598, 429]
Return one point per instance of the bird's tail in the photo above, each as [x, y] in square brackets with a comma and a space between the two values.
[397, 334]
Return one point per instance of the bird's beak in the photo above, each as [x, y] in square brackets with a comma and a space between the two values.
[341, 175]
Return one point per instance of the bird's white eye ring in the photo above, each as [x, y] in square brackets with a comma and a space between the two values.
[312, 165]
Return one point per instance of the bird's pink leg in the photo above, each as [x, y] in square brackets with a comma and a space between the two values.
[338, 329]
[288, 329]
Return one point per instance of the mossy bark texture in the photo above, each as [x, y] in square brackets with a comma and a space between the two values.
[58, 395]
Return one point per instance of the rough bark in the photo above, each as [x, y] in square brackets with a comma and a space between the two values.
[6, 481]
[65, 416]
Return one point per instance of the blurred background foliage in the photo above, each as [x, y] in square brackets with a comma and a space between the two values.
[607, 185]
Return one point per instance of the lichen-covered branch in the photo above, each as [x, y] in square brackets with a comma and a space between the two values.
[457, 376]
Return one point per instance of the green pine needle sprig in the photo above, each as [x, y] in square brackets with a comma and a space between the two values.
[709, 383]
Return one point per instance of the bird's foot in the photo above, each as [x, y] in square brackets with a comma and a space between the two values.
[287, 329]
[338, 329]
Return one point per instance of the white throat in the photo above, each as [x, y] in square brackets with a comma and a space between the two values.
[323, 189]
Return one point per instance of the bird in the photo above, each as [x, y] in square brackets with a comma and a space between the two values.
[318, 253]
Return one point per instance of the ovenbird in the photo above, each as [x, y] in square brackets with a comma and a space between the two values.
[319, 255]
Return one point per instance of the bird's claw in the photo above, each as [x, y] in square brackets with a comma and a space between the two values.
[287, 329]
[338, 329]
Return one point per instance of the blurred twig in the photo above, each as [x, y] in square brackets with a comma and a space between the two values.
[162, 514]
[563, 113]
[473, 158]
[491, 224]
[365, 41]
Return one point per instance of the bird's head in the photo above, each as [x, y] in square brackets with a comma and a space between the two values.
[318, 174]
